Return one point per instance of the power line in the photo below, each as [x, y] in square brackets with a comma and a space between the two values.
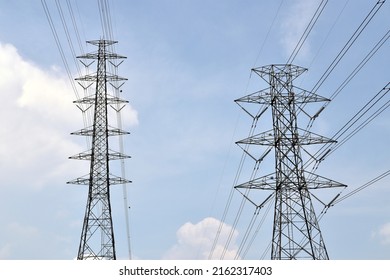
[356, 70]
[362, 187]
[328, 34]
[75, 27]
[255, 119]
[307, 31]
[348, 45]
[327, 149]
[59, 46]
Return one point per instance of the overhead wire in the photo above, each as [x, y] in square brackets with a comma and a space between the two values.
[307, 31]
[108, 33]
[59, 46]
[238, 213]
[75, 27]
[371, 14]
[355, 71]
[231, 195]
[68, 37]
[348, 45]
[362, 187]
[328, 33]
[242, 250]
[366, 121]
[247, 232]
[373, 51]
[259, 226]
[245, 195]
[332, 66]
[87, 118]
[329, 148]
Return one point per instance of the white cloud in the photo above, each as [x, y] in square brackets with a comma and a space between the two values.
[36, 112]
[194, 241]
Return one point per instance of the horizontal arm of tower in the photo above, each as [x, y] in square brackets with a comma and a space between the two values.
[108, 77]
[289, 70]
[89, 132]
[112, 155]
[260, 97]
[264, 97]
[315, 181]
[104, 42]
[91, 100]
[255, 157]
[269, 182]
[305, 96]
[267, 138]
[113, 180]
[106, 55]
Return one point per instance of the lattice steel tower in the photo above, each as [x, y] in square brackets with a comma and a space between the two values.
[97, 237]
[296, 232]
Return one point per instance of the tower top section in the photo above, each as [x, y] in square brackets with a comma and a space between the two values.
[103, 50]
[289, 71]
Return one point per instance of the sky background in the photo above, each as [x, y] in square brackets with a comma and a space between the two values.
[187, 61]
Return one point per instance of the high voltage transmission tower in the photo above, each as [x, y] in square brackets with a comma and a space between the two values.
[97, 237]
[296, 232]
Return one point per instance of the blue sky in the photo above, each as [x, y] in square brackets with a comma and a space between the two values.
[187, 62]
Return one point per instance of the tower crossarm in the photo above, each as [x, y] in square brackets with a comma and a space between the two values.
[108, 77]
[89, 131]
[90, 100]
[267, 138]
[112, 155]
[264, 97]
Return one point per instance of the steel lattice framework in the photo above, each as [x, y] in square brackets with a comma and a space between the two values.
[97, 237]
[296, 232]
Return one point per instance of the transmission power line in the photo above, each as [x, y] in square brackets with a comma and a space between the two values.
[349, 44]
[59, 46]
[362, 187]
[329, 148]
[352, 126]
[307, 31]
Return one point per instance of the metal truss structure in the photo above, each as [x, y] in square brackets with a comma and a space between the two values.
[296, 232]
[97, 237]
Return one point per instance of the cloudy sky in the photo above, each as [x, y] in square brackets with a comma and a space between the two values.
[187, 61]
